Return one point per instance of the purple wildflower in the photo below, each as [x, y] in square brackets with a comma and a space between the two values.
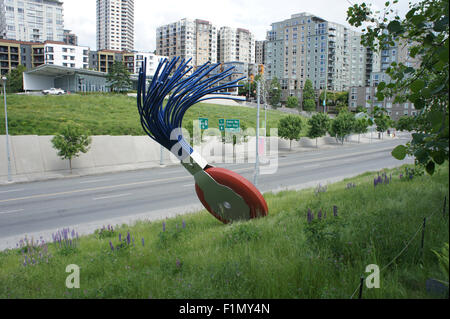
[164, 226]
[335, 211]
[111, 245]
[143, 242]
[309, 215]
[319, 214]
[184, 224]
[178, 263]
[128, 238]
[120, 237]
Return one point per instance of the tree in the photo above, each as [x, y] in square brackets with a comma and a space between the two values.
[72, 141]
[15, 79]
[275, 92]
[405, 123]
[360, 109]
[361, 127]
[309, 96]
[425, 30]
[318, 126]
[292, 102]
[382, 120]
[290, 128]
[342, 125]
[118, 77]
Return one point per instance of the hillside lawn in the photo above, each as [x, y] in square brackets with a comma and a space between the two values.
[108, 114]
[279, 256]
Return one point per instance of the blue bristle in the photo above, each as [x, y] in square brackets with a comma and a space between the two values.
[157, 120]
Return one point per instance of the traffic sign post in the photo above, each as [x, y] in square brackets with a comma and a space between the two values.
[222, 125]
[203, 123]
[233, 126]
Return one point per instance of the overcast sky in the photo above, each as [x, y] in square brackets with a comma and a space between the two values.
[254, 15]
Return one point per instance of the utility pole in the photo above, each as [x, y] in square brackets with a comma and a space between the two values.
[7, 134]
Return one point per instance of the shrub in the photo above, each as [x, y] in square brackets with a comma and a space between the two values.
[292, 102]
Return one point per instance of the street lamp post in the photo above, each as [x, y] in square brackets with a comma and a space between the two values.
[7, 134]
[257, 137]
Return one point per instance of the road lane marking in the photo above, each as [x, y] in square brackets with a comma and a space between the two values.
[189, 185]
[11, 190]
[169, 179]
[111, 196]
[95, 181]
[311, 166]
[12, 211]
[94, 189]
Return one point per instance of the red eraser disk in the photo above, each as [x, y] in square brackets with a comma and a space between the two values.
[241, 186]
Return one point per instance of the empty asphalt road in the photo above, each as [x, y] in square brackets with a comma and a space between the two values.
[86, 203]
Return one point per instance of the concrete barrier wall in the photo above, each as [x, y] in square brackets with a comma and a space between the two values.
[35, 155]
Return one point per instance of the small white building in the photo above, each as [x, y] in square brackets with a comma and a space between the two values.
[152, 61]
[59, 53]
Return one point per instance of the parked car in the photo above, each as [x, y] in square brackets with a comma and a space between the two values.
[53, 91]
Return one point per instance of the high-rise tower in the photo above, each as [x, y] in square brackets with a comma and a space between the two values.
[115, 25]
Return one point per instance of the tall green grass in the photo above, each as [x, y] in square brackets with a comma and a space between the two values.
[279, 256]
[107, 114]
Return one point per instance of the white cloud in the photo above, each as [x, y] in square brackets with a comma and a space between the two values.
[254, 15]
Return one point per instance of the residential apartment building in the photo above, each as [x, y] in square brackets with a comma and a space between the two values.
[260, 52]
[115, 25]
[31, 20]
[235, 45]
[62, 54]
[32, 54]
[104, 59]
[152, 62]
[70, 38]
[10, 55]
[366, 96]
[309, 47]
[189, 39]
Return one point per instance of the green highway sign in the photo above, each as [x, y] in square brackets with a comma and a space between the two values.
[203, 123]
[233, 126]
[222, 124]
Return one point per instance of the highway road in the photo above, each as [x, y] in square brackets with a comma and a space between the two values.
[87, 203]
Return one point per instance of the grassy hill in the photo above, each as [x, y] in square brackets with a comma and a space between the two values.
[279, 256]
[106, 114]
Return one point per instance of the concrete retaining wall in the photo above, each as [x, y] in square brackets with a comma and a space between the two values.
[33, 156]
